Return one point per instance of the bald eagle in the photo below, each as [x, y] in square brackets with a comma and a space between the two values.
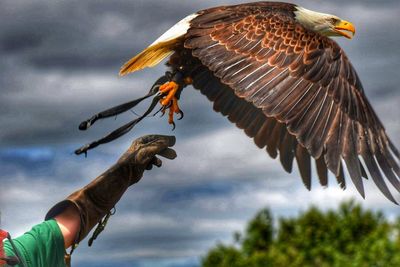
[272, 69]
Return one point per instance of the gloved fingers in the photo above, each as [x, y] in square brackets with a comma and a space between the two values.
[156, 162]
[157, 146]
[160, 140]
[168, 153]
[145, 148]
[149, 167]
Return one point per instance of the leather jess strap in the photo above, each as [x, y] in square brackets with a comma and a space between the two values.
[9, 260]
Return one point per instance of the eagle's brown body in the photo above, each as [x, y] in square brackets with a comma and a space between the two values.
[289, 87]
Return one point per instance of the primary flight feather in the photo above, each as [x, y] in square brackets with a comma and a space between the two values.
[272, 69]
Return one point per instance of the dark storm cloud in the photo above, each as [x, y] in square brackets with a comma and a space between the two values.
[95, 34]
[32, 160]
[82, 34]
[195, 191]
[17, 42]
[368, 3]
[48, 45]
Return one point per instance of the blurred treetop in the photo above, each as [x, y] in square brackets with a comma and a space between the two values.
[349, 236]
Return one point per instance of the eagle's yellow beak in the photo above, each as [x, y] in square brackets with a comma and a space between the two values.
[344, 27]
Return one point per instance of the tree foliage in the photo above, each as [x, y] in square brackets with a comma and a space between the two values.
[348, 236]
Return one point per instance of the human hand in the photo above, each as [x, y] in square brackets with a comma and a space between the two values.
[142, 154]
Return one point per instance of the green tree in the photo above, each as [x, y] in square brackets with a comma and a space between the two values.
[348, 236]
[259, 233]
[224, 256]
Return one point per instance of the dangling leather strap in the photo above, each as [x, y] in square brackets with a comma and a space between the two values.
[13, 260]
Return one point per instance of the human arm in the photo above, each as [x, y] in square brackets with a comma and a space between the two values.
[82, 210]
[71, 220]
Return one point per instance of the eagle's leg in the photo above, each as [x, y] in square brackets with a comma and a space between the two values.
[171, 92]
[169, 89]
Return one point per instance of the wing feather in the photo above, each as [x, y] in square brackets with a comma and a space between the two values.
[340, 178]
[322, 171]
[261, 137]
[304, 163]
[286, 151]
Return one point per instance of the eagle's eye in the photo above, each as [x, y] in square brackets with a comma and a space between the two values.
[334, 21]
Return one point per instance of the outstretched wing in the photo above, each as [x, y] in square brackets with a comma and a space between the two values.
[294, 91]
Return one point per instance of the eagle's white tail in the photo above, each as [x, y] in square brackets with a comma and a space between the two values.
[160, 49]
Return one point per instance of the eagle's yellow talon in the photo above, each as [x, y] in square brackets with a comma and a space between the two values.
[175, 107]
[170, 101]
[165, 102]
[171, 116]
[170, 87]
[166, 87]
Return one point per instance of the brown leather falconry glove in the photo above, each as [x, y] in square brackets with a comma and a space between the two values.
[95, 200]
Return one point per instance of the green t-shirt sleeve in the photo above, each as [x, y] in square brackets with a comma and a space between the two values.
[41, 246]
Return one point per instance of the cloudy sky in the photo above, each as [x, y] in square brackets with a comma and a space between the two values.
[59, 65]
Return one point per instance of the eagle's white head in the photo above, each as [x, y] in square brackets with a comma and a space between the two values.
[325, 24]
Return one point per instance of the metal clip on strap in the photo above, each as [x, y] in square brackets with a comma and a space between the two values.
[101, 226]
